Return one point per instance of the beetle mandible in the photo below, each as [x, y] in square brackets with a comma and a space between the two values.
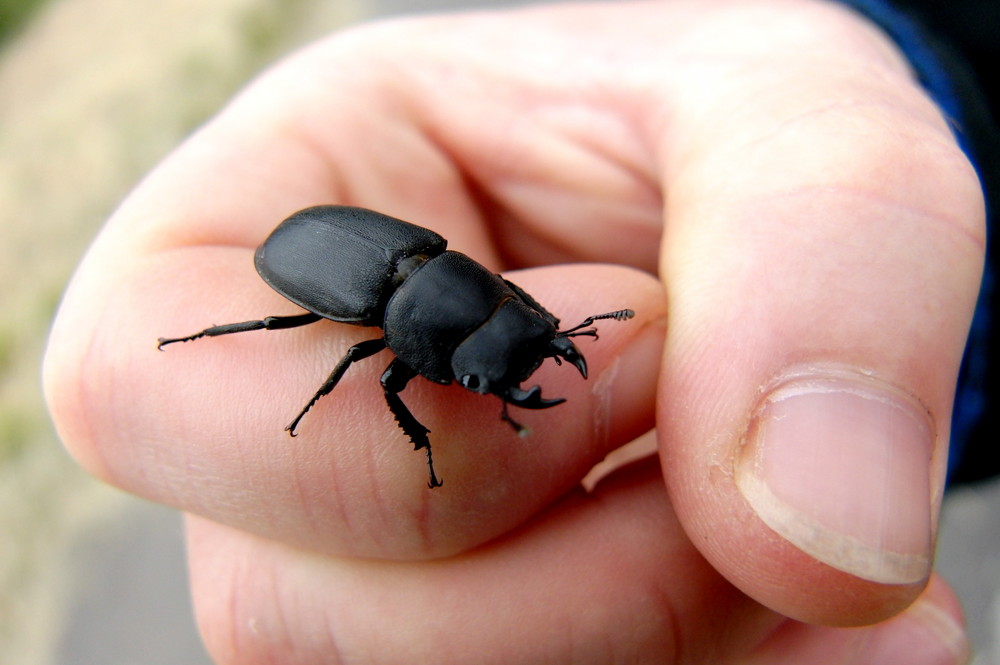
[444, 316]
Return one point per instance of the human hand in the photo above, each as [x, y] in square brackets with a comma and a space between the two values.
[819, 238]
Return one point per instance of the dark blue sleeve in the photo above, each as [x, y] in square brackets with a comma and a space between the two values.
[951, 84]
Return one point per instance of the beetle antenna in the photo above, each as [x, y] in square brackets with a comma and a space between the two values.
[575, 331]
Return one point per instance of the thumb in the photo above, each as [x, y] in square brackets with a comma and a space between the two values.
[822, 263]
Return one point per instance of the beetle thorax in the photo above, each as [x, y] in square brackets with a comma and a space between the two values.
[504, 351]
[436, 309]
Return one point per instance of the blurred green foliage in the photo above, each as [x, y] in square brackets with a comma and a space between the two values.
[13, 14]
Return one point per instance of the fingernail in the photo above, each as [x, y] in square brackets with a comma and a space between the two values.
[838, 463]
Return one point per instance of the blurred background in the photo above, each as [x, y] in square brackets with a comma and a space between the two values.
[92, 94]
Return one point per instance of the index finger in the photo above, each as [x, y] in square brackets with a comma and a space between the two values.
[200, 428]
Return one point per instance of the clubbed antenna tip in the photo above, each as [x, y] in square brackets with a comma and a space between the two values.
[620, 315]
[617, 315]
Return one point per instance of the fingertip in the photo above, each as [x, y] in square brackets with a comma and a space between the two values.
[929, 632]
[833, 526]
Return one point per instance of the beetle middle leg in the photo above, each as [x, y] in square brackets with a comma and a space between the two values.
[357, 352]
[395, 378]
[267, 323]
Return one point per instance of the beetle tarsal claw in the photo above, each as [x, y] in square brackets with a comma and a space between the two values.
[433, 481]
[163, 341]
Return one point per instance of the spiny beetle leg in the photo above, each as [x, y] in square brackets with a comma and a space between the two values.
[394, 380]
[357, 352]
[268, 323]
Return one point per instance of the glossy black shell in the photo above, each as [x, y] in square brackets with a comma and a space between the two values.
[343, 263]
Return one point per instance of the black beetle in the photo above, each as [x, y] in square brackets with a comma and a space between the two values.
[445, 316]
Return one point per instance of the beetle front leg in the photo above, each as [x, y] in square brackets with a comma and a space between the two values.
[357, 352]
[267, 323]
[521, 430]
[394, 380]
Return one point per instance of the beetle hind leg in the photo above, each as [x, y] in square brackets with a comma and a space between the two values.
[394, 380]
[267, 323]
[357, 352]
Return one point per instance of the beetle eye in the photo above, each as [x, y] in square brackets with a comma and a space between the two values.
[477, 383]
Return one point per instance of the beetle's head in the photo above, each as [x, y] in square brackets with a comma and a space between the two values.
[504, 351]
[507, 349]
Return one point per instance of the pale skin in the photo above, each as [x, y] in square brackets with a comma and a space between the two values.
[807, 212]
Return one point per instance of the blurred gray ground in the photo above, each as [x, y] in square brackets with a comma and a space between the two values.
[131, 605]
[969, 558]
[106, 573]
